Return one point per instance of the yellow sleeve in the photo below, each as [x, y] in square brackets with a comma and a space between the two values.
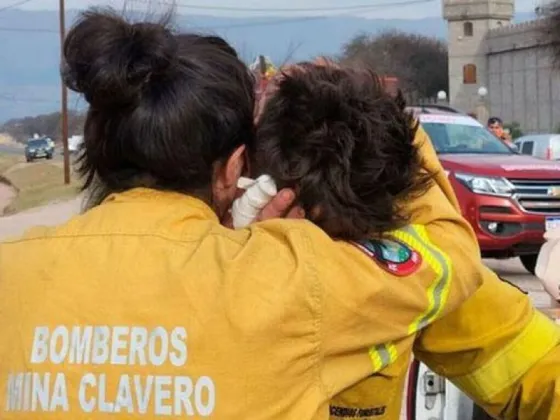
[433, 165]
[367, 310]
[496, 347]
[439, 213]
[500, 351]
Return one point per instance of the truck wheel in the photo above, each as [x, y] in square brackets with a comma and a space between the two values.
[529, 262]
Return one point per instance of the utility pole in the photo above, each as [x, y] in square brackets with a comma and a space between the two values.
[262, 65]
[64, 99]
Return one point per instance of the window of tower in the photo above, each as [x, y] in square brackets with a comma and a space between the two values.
[469, 74]
[468, 29]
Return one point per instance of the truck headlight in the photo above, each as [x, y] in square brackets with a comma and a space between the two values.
[500, 187]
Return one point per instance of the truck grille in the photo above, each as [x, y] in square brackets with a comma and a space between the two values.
[538, 196]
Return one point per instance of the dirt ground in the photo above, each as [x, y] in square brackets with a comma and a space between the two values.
[7, 194]
[50, 215]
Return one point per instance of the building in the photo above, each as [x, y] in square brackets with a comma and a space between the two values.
[510, 60]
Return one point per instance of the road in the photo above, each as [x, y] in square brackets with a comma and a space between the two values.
[10, 150]
[513, 271]
[19, 151]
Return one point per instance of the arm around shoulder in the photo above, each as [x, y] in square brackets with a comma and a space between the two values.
[500, 351]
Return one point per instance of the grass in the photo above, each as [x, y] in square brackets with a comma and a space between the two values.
[7, 161]
[37, 183]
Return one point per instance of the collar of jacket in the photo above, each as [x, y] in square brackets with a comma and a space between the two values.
[165, 199]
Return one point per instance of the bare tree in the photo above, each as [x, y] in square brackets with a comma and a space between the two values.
[551, 14]
[46, 124]
[419, 62]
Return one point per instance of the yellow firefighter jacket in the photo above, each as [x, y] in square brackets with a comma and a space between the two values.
[496, 347]
[145, 307]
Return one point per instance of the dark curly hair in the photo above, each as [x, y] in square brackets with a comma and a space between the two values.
[345, 145]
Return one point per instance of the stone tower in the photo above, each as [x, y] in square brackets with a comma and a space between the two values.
[468, 22]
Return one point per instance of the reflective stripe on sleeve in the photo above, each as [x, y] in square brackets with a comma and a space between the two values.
[416, 237]
[382, 356]
[538, 338]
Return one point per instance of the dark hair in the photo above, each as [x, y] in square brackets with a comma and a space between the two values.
[494, 120]
[163, 108]
[208, 40]
[346, 146]
[221, 43]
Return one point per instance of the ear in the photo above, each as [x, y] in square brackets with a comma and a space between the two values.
[224, 188]
[228, 173]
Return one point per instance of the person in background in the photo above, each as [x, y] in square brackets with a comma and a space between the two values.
[496, 347]
[496, 127]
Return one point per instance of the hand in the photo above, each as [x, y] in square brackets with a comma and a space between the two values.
[281, 207]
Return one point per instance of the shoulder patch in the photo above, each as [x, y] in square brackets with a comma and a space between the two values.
[392, 255]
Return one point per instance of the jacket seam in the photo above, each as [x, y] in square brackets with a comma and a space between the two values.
[317, 295]
[187, 239]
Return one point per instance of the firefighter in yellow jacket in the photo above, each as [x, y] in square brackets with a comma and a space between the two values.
[147, 307]
[495, 347]
[505, 354]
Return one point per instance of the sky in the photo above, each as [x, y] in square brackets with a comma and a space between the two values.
[387, 9]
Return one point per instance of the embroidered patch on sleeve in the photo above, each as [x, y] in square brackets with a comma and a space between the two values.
[392, 255]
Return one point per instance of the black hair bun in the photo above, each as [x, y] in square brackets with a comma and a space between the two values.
[111, 61]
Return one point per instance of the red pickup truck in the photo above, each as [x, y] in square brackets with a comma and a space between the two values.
[509, 199]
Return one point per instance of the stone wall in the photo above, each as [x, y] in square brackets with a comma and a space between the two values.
[522, 84]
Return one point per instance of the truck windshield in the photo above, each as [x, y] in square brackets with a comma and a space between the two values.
[37, 143]
[463, 139]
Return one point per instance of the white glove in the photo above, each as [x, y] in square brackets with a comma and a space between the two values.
[258, 194]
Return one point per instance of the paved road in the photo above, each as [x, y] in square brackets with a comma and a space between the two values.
[53, 214]
[514, 271]
[19, 151]
[10, 150]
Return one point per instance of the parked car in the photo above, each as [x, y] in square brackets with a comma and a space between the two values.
[50, 142]
[75, 143]
[543, 146]
[509, 199]
[38, 149]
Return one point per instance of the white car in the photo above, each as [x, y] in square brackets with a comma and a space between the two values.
[542, 146]
[431, 397]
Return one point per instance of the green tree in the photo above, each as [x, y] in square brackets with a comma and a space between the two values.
[419, 62]
[514, 130]
[550, 13]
